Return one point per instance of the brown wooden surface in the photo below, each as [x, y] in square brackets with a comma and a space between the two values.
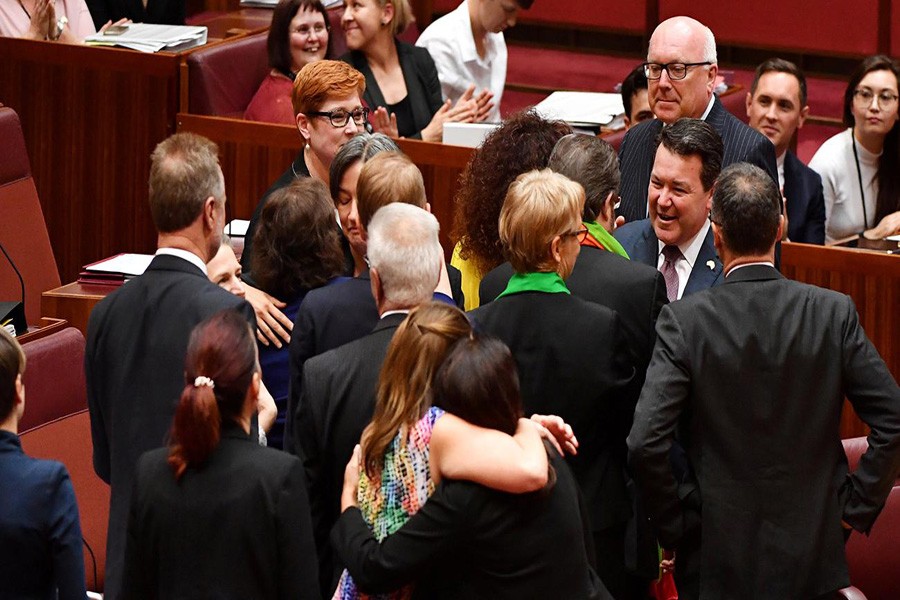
[46, 326]
[91, 117]
[74, 302]
[872, 280]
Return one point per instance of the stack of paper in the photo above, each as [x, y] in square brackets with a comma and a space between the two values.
[237, 228]
[582, 109]
[115, 270]
[151, 38]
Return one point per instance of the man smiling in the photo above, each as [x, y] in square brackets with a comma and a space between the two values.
[681, 68]
[677, 239]
[776, 107]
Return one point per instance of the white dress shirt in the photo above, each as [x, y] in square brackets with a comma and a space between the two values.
[188, 256]
[689, 250]
[451, 44]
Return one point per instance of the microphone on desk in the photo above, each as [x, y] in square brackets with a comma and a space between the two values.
[13, 313]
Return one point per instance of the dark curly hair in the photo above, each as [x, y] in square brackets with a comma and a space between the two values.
[524, 142]
[296, 246]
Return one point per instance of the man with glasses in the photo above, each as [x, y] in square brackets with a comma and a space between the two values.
[681, 68]
[776, 107]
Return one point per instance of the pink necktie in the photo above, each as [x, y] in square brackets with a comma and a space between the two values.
[671, 254]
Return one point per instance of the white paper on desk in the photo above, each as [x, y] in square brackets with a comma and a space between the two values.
[237, 228]
[581, 108]
[126, 264]
[893, 238]
[145, 37]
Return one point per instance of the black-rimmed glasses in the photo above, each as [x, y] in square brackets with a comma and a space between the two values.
[340, 117]
[676, 70]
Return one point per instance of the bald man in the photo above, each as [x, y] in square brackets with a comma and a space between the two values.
[681, 69]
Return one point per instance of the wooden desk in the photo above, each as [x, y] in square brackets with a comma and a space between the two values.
[74, 303]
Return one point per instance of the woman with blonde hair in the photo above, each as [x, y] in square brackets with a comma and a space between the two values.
[411, 445]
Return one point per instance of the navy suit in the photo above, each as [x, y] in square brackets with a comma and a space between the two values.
[40, 534]
[640, 242]
[742, 144]
[805, 202]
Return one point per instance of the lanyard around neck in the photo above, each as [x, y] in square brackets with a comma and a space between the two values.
[862, 192]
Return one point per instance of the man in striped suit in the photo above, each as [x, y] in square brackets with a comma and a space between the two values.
[681, 68]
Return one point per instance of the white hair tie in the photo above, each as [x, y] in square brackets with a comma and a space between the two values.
[200, 380]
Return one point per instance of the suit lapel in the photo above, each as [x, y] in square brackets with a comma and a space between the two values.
[702, 276]
[716, 116]
[415, 89]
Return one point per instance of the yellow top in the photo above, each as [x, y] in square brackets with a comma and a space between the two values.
[471, 278]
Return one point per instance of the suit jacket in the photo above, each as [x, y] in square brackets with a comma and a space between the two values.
[336, 404]
[164, 12]
[134, 366]
[469, 541]
[805, 202]
[41, 549]
[573, 361]
[640, 242]
[422, 85]
[638, 151]
[753, 375]
[237, 527]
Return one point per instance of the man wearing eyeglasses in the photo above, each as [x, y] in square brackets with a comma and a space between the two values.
[681, 68]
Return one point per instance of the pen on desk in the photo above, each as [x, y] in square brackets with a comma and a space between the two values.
[6, 322]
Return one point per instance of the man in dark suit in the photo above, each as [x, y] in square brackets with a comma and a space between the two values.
[677, 238]
[138, 335]
[776, 107]
[681, 67]
[753, 375]
[338, 387]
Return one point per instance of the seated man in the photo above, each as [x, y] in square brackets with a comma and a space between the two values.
[634, 98]
[468, 48]
[677, 239]
[776, 107]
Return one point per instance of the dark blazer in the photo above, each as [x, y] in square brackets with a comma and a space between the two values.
[336, 404]
[422, 86]
[238, 527]
[805, 202]
[469, 541]
[638, 151]
[753, 374]
[164, 12]
[640, 242]
[40, 534]
[134, 366]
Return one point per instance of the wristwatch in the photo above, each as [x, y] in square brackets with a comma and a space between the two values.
[60, 25]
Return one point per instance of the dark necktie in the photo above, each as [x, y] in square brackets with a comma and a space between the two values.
[671, 254]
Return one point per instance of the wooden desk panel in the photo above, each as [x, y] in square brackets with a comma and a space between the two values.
[74, 303]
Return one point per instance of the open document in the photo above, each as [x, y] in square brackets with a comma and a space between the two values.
[150, 38]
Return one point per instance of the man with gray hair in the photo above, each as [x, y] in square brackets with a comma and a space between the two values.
[337, 395]
[752, 375]
[138, 335]
[681, 68]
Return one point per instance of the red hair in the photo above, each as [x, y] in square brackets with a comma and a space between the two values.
[218, 371]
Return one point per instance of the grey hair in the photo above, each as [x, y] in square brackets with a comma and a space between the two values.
[361, 146]
[592, 162]
[403, 247]
[709, 40]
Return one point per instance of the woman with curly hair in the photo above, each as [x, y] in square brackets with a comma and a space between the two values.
[523, 143]
[296, 249]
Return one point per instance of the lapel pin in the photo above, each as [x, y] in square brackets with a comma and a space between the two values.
[711, 264]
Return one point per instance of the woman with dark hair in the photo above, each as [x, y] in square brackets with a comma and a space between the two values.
[215, 515]
[299, 34]
[343, 175]
[860, 167]
[402, 86]
[40, 533]
[410, 445]
[522, 143]
[296, 249]
[468, 541]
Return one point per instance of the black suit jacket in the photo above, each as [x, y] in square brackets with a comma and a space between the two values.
[238, 527]
[422, 85]
[335, 405]
[640, 242]
[164, 12]
[753, 374]
[573, 361]
[469, 541]
[638, 151]
[805, 202]
[134, 366]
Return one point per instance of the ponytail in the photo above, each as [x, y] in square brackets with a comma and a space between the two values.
[195, 428]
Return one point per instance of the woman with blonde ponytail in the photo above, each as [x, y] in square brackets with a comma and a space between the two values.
[215, 515]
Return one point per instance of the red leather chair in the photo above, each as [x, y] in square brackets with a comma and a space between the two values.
[223, 78]
[68, 440]
[54, 378]
[854, 448]
[23, 230]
